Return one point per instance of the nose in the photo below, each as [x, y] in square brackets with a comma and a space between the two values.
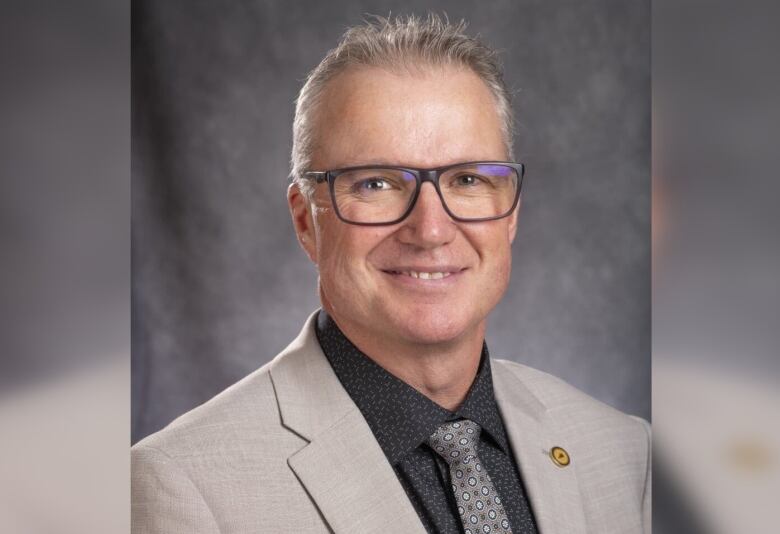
[428, 225]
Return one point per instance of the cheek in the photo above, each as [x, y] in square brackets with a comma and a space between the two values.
[334, 255]
[506, 269]
[497, 251]
[507, 261]
[343, 251]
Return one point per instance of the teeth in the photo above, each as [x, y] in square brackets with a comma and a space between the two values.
[426, 276]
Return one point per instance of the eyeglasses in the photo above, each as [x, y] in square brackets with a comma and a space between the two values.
[382, 195]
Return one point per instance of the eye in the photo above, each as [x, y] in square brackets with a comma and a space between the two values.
[467, 180]
[372, 184]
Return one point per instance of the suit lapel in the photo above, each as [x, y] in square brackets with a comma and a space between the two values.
[342, 467]
[553, 491]
[354, 486]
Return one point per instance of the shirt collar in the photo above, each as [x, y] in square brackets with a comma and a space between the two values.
[401, 417]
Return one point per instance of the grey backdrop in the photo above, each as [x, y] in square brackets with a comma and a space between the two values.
[219, 283]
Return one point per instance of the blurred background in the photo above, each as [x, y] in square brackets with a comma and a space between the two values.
[716, 261]
[220, 285]
[64, 266]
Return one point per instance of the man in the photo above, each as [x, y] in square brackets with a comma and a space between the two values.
[386, 414]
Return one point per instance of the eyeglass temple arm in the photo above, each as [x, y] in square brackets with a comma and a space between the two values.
[318, 176]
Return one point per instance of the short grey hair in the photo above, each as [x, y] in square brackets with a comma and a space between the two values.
[403, 42]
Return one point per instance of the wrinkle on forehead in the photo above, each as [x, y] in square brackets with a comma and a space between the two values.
[431, 117]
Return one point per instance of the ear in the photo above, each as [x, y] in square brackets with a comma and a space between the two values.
[513, 220]
[303, 222]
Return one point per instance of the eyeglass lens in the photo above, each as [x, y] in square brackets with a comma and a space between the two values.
[472, 191]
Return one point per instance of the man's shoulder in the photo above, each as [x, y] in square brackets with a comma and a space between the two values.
[222, 461]
[246, 412]
[610, 449]
[569, 405]
[246, 409]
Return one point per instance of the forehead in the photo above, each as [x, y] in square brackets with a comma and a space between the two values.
[426, 117]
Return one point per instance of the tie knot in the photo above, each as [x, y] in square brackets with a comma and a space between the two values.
[456, 441]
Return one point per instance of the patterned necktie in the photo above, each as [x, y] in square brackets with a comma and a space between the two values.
[479, 505]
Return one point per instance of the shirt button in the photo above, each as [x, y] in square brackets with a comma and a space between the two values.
[559, 456]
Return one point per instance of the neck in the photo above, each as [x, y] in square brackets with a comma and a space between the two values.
[443, 372]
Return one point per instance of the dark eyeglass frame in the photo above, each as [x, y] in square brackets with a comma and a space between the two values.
[421, 176]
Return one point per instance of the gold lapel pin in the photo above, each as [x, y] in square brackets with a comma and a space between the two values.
[559, 456]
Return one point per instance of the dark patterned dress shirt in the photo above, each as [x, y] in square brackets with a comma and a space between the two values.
[402, 418]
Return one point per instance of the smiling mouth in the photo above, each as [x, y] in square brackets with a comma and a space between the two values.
[424, 275]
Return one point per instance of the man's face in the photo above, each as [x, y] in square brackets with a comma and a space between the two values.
[430, 119]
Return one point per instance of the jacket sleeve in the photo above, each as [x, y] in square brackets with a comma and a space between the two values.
[164, 499]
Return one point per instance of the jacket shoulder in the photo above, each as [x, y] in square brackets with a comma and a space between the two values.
[245, 412]
[215, 468]
[610, 450]
[557, 395]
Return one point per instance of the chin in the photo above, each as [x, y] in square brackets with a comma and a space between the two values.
[433, 329]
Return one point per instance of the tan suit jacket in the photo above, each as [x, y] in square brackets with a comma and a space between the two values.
[286, 450]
